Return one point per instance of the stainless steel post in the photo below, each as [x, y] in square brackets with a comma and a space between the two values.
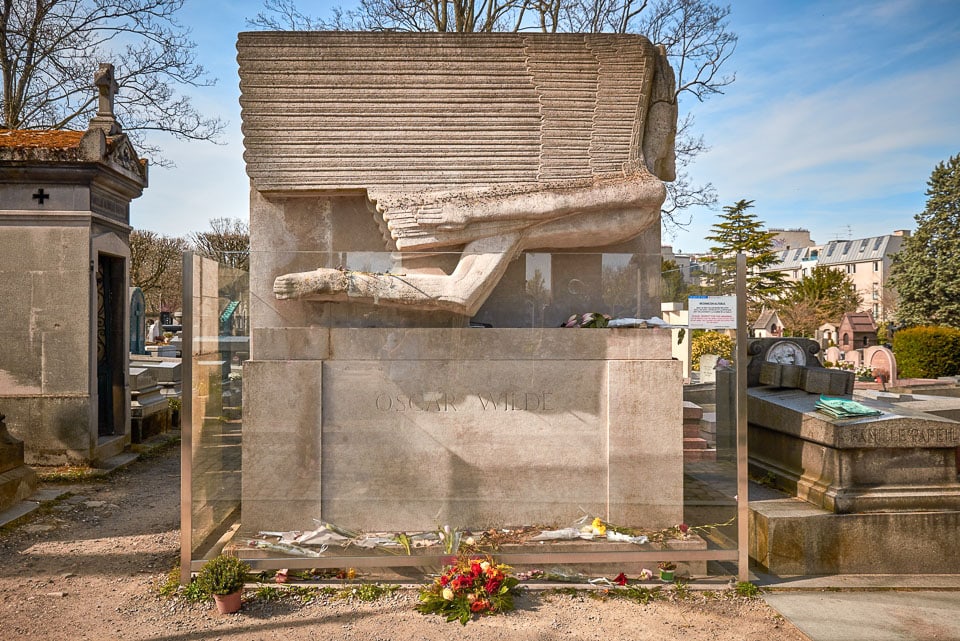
[743, 503]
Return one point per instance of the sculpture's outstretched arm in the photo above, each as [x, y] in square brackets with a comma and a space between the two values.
[482, 262]
[481, 266]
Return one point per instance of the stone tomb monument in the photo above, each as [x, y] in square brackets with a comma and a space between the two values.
[874, 494]
[64, 265]
[399, 184]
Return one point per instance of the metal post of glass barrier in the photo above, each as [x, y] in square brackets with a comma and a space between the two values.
[743, 498]
[186, 421]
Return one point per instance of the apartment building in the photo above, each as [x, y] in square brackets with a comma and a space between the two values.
[866, 261]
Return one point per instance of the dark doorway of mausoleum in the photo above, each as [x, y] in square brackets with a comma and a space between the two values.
[110, 309]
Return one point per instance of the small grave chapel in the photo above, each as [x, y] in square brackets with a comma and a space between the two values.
[64, 275]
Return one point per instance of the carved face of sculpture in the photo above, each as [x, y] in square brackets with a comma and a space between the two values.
[786, 353]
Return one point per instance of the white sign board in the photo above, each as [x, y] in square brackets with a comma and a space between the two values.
[712, 312]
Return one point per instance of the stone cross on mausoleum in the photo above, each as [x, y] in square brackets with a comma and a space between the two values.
[105, 81]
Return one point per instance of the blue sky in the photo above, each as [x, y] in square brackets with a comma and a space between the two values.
[839, 112]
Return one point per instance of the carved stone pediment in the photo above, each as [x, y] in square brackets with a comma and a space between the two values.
[117, 152]
[121, 155]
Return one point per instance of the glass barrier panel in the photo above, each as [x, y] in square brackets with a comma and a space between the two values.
[390, 422]
[217, 302]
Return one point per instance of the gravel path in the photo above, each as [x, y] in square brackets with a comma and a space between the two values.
[88, 566]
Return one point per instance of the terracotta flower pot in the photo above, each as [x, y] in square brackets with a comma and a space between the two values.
[228, 603]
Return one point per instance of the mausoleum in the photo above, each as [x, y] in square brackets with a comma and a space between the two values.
[64, 266]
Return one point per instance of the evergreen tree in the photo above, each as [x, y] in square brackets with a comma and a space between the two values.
[926, 272]
[741, 231]
[673, 289]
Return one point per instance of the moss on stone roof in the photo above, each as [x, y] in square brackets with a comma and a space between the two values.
[40, 138]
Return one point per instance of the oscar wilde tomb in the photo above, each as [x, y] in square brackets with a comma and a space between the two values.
[426, 211]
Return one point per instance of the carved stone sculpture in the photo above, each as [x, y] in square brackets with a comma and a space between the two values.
[489, 145]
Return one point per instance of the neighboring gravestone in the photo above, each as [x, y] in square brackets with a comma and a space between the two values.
[833, 355]
[17, 481]
[167, 370]
[138, 322]
[149, 409]
[708, 368]
[793, 363]
[64, 265]
[853, 358]
[883, 363]
[868, 485]
[406, 184]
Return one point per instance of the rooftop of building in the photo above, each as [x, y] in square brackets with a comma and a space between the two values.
[859, 322]
[40, 138]
[861, 249]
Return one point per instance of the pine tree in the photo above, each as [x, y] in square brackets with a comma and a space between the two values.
[926, 271]
[672, 286]
[741, 231]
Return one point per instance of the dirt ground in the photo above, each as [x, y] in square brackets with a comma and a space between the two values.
[88, 567]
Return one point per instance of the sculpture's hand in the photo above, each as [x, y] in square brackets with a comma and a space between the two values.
[441, 217]
[323, 282]
[287, 287]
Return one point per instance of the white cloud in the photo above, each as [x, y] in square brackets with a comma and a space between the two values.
[843, 142]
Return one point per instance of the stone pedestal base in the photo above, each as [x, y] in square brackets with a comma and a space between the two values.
[792, 537]
[405, 430]
[149, 409]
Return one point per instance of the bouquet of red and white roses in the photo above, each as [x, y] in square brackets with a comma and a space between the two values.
[472, 586]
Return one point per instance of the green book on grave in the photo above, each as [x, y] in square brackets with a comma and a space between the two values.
[844, 408]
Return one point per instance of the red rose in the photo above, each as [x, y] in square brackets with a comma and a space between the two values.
[444, 580]
[683, 527]
[475, 568]
[492, 586]
[621, 579]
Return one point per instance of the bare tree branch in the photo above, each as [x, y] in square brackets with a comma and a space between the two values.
[50, 49]
[227, 242]
[156, 268]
